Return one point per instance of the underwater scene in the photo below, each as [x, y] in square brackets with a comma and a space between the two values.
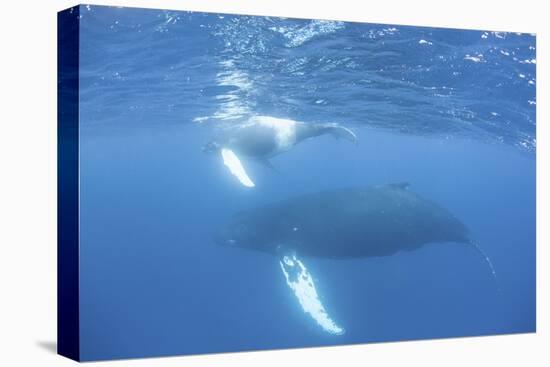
[252, 183]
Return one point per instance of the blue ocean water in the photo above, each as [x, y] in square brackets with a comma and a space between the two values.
[452, 112]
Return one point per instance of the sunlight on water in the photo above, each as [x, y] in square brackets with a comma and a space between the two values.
[301, 282]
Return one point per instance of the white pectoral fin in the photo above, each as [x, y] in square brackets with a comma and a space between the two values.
[235, 166]
[300, 281]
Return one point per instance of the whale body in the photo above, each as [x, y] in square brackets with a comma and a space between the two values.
[342, 224]
[263, 137]
[345, 223]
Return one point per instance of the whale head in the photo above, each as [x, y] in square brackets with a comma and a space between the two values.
[249, 230]
[239, 232]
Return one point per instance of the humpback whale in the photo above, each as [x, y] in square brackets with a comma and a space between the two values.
[341, 224]
[263, 137]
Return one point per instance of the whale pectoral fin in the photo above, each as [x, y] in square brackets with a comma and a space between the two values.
[235, 166]
[269, 165]
[338, 131]
[300, 281]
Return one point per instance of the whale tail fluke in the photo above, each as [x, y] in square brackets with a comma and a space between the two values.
[488, 262]
[338, 131]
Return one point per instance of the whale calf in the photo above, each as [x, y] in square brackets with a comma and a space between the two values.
[342, 224]
[263, 137]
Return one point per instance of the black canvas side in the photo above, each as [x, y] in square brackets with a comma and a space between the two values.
[68, 331]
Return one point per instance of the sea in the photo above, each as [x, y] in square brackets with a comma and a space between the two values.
[452, 112]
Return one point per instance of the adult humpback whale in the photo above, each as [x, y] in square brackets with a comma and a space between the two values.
[263, 137]
[339, 224]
